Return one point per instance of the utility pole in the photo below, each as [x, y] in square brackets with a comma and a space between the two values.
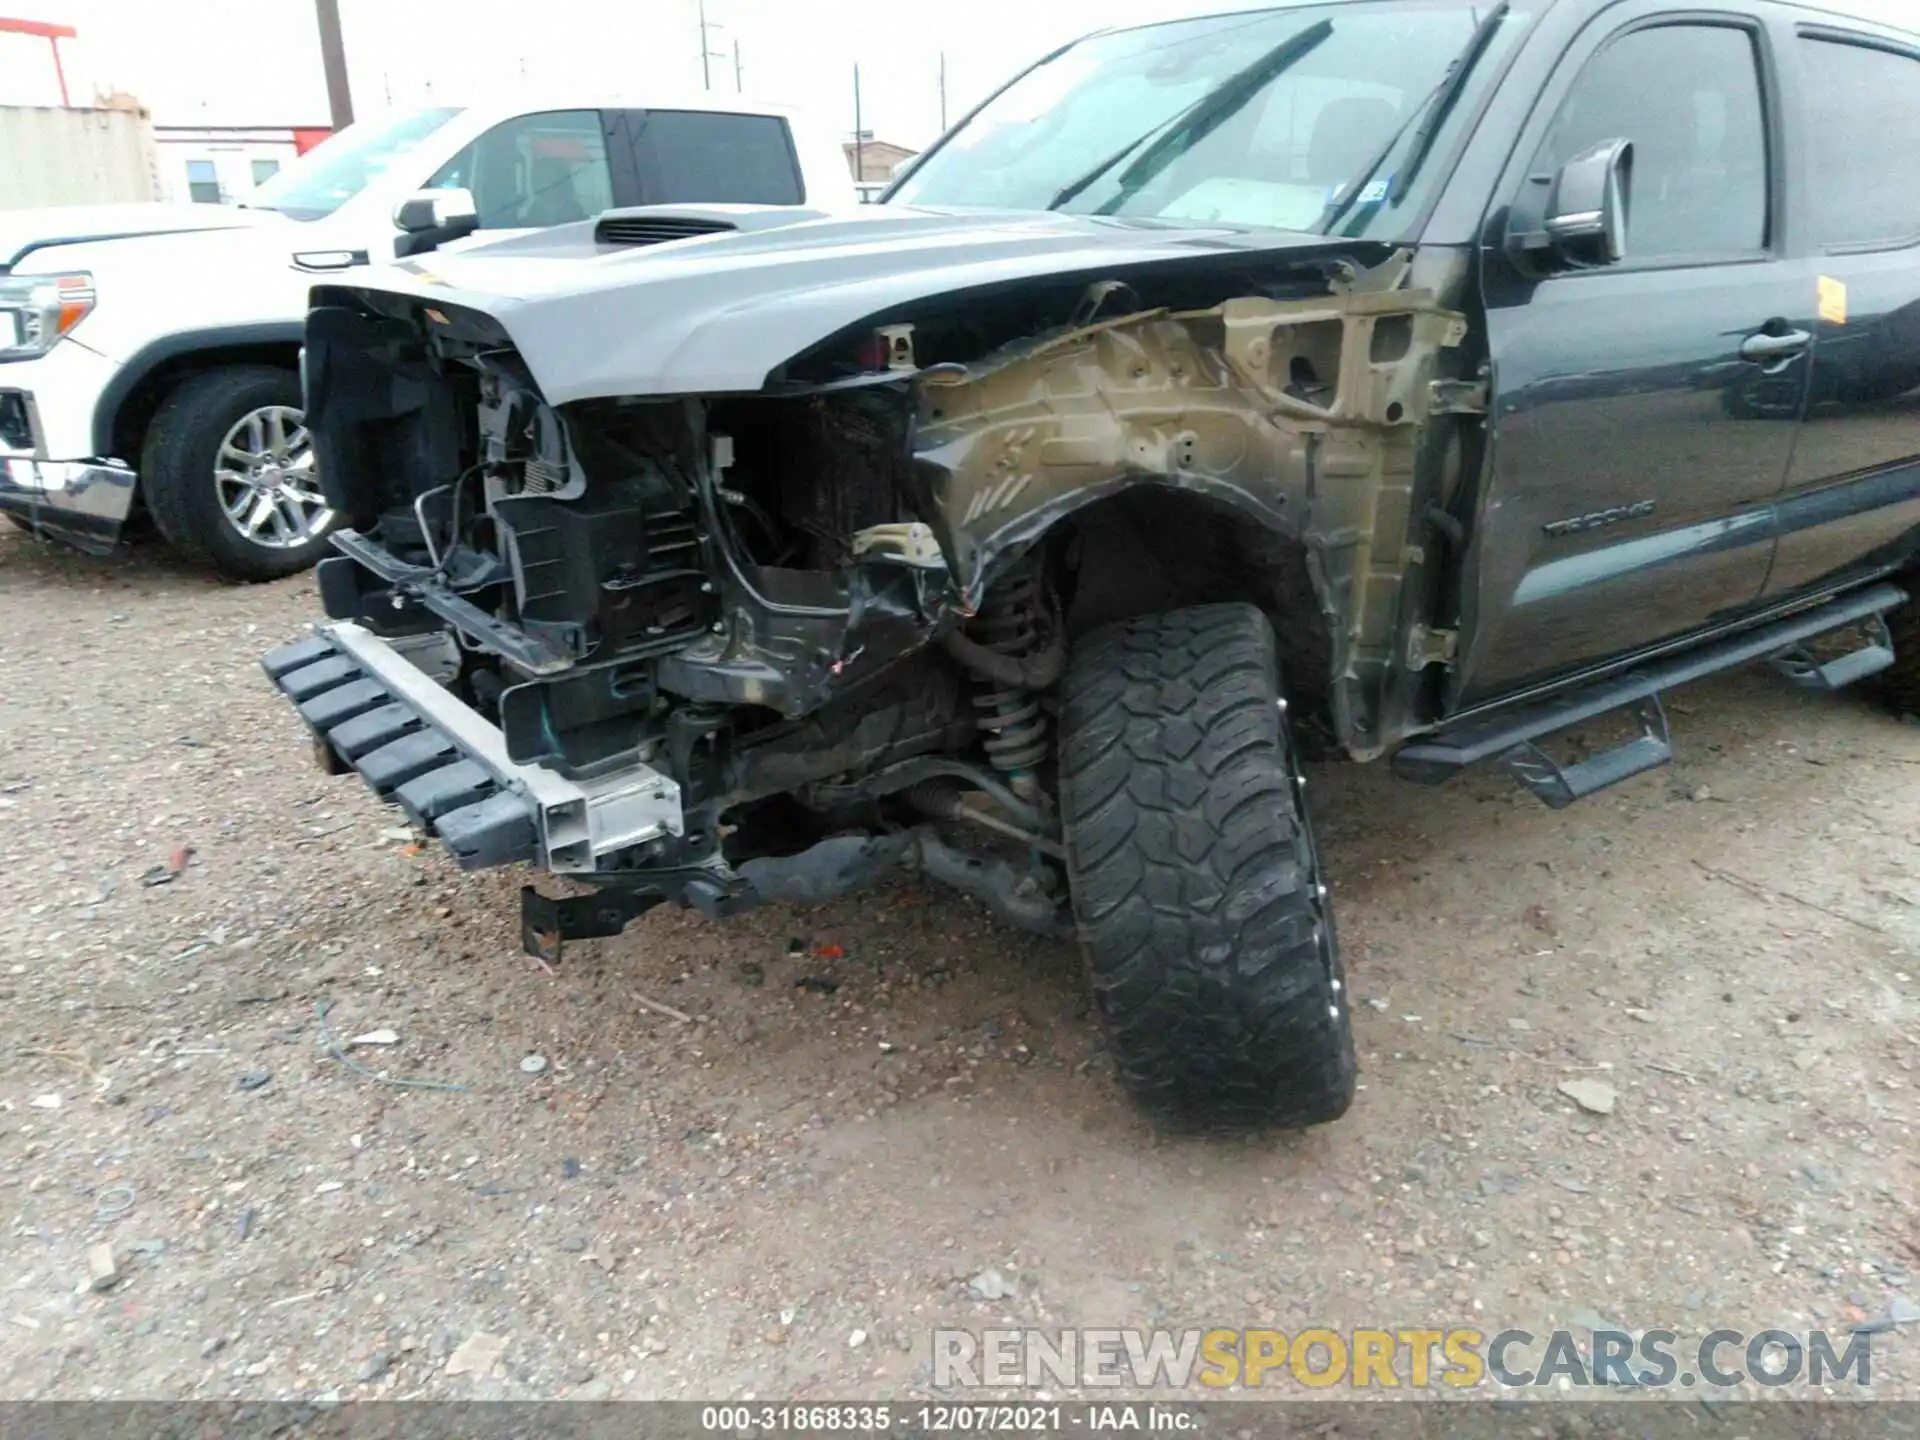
[707, 53]
[739, 86]
[943, 92]
[333, 60]
[859, 135]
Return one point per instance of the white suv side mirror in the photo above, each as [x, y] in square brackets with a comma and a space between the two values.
[431, 218]
[434, 209]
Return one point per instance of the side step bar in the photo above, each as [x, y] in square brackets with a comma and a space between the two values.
[1560, 785]
[1513, 736]
[1799, 666]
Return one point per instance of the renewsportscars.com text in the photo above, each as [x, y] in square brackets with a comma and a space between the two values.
[1381, 1359]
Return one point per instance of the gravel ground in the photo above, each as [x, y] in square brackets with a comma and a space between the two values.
[868, 1106]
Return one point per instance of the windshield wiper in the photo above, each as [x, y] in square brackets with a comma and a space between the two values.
[1068, 192]
[1429, 114]
[1198, 120]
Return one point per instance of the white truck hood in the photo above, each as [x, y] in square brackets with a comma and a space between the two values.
[24, 231]
[162, 282]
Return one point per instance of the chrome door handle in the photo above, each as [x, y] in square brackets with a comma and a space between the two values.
[1763, 347]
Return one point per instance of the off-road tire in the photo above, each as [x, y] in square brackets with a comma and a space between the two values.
[1194, 876]
[1898, 686]
[177, 464]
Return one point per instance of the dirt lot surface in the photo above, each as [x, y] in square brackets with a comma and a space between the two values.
[876, 1113]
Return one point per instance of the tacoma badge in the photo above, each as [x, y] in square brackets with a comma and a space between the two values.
[1599, 519]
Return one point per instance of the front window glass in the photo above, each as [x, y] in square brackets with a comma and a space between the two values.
[1270, 119]
[1688, 97]
[332, 173]
[534, 171]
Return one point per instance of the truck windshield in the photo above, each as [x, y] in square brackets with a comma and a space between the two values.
[1306, 116]
[336, 170]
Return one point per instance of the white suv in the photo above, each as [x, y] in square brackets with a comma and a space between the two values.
[150, 353]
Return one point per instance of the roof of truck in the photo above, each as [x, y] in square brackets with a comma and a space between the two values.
[520, 100]
[1892, 14]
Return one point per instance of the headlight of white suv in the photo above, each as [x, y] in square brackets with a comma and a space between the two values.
[38, 311]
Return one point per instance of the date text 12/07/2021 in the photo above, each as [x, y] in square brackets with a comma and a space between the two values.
[1088, 1418]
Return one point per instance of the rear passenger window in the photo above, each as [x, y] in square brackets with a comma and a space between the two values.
[1688, 97]
[1862, 106]
[691, 157]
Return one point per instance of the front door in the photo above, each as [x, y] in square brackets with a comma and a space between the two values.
[1643, 416]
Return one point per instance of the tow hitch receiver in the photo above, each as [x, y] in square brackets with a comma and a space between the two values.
[547, 923]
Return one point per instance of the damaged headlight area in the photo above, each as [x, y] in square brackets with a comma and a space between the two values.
[716, 650]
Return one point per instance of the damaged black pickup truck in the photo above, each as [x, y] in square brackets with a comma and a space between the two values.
[1405, 379]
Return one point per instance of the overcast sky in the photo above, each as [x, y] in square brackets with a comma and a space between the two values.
[257, 62]
[238, 62]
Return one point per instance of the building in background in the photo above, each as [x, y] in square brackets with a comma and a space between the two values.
[873, 163]
[70, 135]
[56, 152]
[225, 164]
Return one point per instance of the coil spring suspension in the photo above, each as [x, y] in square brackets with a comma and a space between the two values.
[1010, 624]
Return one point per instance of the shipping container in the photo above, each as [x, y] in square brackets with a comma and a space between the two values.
[53, 155]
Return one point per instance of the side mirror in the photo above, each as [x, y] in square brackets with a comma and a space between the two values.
[1576, 219]
[434, 210]
[431, 218]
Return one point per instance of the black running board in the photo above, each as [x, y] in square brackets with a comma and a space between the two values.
[1809, 673]
[1513, 736]
[1560, 785]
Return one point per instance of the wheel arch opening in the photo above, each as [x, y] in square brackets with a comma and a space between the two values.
[120, 431]
[1153, 548]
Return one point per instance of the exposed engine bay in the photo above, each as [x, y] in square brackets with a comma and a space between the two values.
[725, 648]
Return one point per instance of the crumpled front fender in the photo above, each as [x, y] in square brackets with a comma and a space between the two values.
[1303, 415]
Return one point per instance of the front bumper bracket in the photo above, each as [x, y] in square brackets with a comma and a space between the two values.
[372, 709]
